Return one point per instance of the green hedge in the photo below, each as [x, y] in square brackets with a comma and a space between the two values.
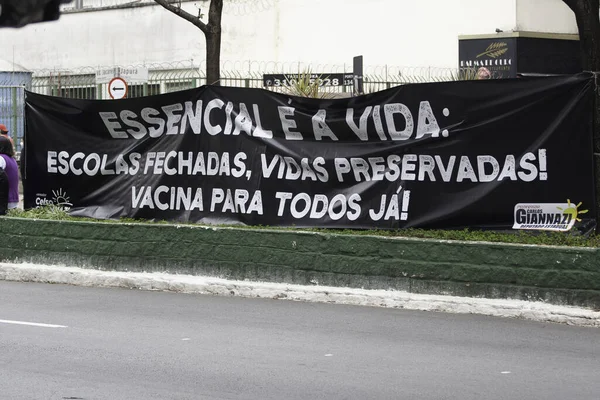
[559, 275]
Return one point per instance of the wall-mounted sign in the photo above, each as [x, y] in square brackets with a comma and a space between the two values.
[497, 55]
[517, 54]
[131, 75]
[326, 79]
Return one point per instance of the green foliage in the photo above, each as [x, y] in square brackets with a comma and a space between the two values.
[464, 74]
[307, 86]
[52, 212]
[45, 212]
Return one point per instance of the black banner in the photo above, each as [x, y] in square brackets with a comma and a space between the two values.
[482, 154]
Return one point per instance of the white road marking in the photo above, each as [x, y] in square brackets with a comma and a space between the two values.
[328, 355]
[5, 321]
[505, 372]
[186, 338]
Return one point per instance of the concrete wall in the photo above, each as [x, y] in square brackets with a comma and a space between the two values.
[549, 16]
[556, 275]
[393, 32]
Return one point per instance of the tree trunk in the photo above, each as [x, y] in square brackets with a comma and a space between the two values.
[588, 24]
[213, 58]
[212, 34]
[213, 43]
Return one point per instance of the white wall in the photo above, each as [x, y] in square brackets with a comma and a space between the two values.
[550, 16]
[394, 32]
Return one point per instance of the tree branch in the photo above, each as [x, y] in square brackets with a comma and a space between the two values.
[185, 15]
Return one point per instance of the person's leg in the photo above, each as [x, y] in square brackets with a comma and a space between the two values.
[3, 193]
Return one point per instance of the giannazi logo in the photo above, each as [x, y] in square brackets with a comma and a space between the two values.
[59, 198]
[547, 216]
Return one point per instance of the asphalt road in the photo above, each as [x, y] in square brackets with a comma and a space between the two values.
[126, 344]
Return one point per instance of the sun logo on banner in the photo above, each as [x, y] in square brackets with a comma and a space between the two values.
[573, 210]
[61, 198]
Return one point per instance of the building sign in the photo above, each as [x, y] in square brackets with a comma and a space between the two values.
[130, 74]
[497, 55]
[325, 79]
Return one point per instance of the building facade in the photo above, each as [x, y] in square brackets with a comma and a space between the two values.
[402, 41]
[275, 33]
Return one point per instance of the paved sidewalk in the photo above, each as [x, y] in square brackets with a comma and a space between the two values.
[535, 311]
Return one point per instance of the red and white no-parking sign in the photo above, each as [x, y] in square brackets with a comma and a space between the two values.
[117, 88]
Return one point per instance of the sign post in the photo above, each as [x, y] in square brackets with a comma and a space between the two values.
[358, 75]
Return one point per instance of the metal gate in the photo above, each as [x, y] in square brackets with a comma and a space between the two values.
[12, 112]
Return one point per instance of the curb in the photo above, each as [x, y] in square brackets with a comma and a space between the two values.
[533, 311]
[548, 274]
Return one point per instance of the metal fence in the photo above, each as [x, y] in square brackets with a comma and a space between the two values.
[166, 78]
[12, 100]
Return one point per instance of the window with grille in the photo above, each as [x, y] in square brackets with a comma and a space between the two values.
[149, 89]
[177, 86]
[77, 92]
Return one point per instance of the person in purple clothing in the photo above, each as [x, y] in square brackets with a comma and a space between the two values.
[3, 192]
[10, 167]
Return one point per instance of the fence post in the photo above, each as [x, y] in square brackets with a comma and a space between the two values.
[15, 115]
[388, 84]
